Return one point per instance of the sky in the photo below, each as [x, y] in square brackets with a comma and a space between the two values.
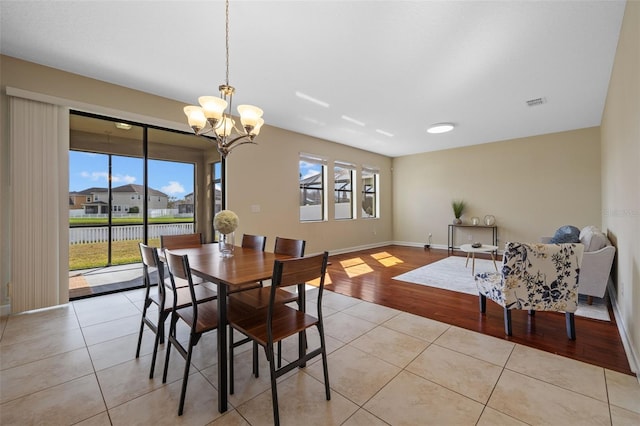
[87, 170]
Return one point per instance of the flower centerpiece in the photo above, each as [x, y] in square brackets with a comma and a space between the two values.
[226, 222]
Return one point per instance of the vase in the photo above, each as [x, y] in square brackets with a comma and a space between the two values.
[457, 221]
[227, 244]
[489, 220]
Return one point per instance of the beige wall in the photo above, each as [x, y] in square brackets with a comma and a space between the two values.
[266, 175]
[621, 175]
[532, 186]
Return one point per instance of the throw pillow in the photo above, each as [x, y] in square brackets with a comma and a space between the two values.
[566, 234]
[593, 239]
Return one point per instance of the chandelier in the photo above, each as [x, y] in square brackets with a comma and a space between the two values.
[213, 116]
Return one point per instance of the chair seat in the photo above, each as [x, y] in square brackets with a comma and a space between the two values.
[244, 287]
[258, 298]
[207, 316]
[202, 293]
[490, 284]
[287, 321]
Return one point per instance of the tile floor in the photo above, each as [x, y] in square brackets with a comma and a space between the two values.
[75, 364]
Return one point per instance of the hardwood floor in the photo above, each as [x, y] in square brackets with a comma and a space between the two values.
[367, 275]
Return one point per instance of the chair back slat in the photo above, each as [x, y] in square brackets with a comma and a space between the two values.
[178, 265]
[298, 270]
[171, 242]
[290, 247]
[150, 260]
[255, 242]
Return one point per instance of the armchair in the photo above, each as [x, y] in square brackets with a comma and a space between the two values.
[596, 262]
[536, 277]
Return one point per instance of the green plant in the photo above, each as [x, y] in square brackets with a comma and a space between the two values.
[458, 207]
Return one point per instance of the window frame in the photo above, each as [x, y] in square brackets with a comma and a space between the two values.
[351, 169]
[321, 190]
[370, 190]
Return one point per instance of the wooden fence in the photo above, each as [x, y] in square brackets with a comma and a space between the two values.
[100, 234]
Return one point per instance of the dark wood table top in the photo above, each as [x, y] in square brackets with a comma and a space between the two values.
[246, 265]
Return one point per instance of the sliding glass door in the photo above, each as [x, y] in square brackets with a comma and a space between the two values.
[127, 184]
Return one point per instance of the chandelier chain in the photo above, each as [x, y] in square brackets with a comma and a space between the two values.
[227, 38]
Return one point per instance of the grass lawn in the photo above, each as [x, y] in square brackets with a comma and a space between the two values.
[94, 255]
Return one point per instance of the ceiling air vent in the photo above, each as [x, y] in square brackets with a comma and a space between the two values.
[536, 101]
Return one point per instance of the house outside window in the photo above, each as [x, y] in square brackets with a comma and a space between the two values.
[343, 190]
[370, 202]
[312, 176]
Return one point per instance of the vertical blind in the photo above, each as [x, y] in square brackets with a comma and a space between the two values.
[39, 145]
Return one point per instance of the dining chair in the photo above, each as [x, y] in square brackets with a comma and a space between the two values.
[181, 241]
[163, 297]
[276, 322]
[254, 242]
[259, 297]
[172, 242]
[200, 316]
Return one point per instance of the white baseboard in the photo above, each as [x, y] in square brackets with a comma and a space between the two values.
[632, 355]
[5, 310]
[357, 248]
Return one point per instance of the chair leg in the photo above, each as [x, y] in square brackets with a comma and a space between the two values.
[231, 373]
[507, 321]
[140, 336]
[147, 302]
[155, 354]
[185, 378]
[161, 319]
[256, 367]
[571, 325]
[532, 312]
[483, 303]
[325, 366]
[274, 389]
[172, 334]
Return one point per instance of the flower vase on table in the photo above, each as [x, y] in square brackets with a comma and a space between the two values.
[227, 244]
[226, 222]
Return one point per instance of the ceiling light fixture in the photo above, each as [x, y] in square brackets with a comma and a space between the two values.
[440, 128]
[213, 116]
[123, 126]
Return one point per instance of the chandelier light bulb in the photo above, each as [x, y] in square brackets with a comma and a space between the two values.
[195, 116]
[256, 129]
[213, 106]
[225, 128]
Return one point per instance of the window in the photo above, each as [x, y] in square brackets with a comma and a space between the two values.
[343, 190]
[370, 177]
[312, 175]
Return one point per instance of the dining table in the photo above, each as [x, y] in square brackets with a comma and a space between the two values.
[245, 266]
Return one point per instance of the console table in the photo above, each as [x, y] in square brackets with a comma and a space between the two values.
[451, 235]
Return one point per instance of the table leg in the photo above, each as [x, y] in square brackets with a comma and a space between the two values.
[473, 264]
[493, 257]
[222, 348]
[466, 264]
[302, 336]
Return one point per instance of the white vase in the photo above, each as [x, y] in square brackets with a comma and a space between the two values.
[227, 244]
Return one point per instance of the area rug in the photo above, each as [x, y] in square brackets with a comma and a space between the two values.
[451, 274]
